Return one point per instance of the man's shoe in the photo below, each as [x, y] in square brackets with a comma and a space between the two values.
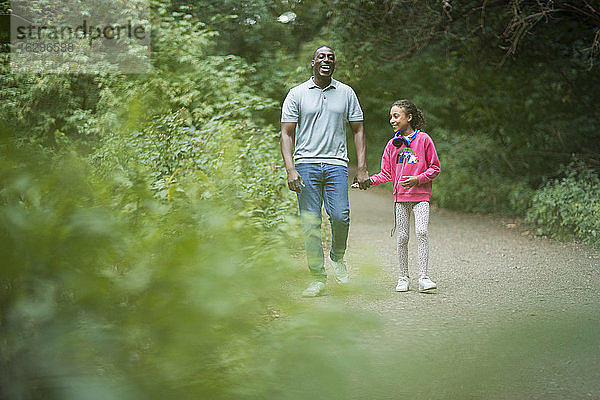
[403, 283]
[340, 271]
[426, 284]
[317, 288]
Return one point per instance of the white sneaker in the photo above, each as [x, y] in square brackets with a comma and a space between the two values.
[403, 283]
[426, 284]
[340, 271]
[317, 288]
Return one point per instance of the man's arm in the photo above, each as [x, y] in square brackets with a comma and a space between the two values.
[288, 132]
[362, 175]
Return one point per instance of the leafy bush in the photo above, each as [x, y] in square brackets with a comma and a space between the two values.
[194, 122]
[49, 109]
[470, 182]
[151, 272]
[109, 292]
[569, 208]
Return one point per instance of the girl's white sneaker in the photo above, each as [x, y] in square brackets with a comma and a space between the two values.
[403, 283]
[426, 284]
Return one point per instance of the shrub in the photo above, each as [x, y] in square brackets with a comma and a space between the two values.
[194, 125]
[109, 292]
[469, 179]
[569, 208]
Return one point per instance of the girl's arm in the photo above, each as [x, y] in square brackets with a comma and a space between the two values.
[386, 167]
[433, 164]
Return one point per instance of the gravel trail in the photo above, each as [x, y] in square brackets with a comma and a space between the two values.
[518, 308]
[482, 264]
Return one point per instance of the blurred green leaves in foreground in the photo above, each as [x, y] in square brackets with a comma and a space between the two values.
[168, 300]
[186, 300]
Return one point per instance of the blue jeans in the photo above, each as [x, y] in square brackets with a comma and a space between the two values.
[325, 184]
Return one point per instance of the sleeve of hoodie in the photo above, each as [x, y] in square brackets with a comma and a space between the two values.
[433, 163]
[386, 167]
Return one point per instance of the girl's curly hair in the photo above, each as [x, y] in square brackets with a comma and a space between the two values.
[418, 120]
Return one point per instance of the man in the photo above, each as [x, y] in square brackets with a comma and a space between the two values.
[313, 146]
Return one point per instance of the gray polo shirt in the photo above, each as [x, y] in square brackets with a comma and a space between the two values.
[320, 116]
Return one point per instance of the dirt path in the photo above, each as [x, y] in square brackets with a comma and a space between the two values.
[507, 302]
[480, 263]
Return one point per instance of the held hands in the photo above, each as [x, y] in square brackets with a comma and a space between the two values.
[407, 182]
[361, 180]
[356, 184]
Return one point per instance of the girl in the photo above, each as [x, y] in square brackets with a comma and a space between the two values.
[411, 163]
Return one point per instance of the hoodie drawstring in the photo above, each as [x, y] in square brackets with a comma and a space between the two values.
[395, 222]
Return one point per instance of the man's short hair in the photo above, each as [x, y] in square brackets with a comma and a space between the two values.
[319, 48]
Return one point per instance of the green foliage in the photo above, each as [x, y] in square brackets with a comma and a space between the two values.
[150, 273]
[184, 300]
[152, 266]
[49, 109]
[245, 27]
[470, 182]
[163, 300]
[195, 122]
[569, 208]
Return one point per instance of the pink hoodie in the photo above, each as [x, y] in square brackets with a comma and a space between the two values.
[419, 160]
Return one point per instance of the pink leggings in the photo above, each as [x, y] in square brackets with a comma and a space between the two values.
[421, 212]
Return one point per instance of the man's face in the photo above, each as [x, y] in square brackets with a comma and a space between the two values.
[324, 62]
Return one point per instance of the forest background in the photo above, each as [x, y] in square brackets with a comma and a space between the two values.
[132, 204]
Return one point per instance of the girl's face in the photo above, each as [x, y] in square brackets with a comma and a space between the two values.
[400, 121]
